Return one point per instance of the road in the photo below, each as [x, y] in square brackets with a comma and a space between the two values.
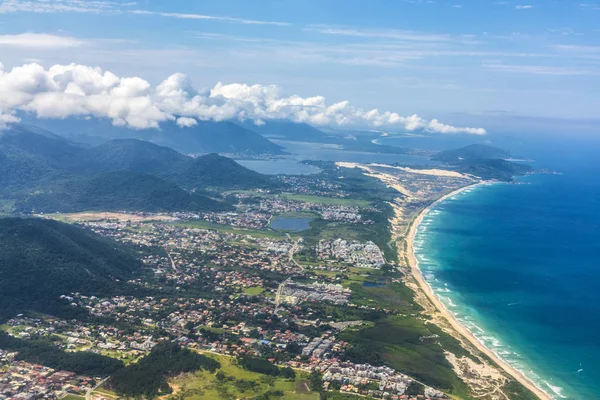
[88, 394]
[293, 251]
[171, 258]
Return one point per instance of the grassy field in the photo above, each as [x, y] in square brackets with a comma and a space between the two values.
[73, 397]
[325, 200]
[204, 385]
[395, 296]
[106, 393]
[254, 290]
[231, 229]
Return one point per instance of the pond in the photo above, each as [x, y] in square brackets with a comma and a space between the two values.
[292, 224]
[373, 284]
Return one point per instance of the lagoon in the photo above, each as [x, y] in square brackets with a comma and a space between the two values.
[292, 224]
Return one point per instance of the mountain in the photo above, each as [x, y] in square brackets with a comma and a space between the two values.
[118, 191]
[471, 152]
[210, 170]
[287, 130]
[41, 260]
[131, 155]
[44, 144]
[29, 155]
[484, 161]
[47, 173]
[216, 137]
[213, 170]
[205, 137]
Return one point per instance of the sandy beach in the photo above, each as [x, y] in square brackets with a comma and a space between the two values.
[456, 325]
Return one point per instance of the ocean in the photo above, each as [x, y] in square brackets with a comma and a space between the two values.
[519, 265]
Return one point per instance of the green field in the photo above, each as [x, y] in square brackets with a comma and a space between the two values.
[395, 296]
[73, 397]
[254, 290]
[231, 229]
[325, 200]
[203, 385]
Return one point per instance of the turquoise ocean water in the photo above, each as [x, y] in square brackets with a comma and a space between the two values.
[519, 265]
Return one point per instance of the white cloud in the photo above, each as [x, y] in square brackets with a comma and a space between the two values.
[57, 6]
[104, 7]
[186, 122]
[40, 40]
[208, 17]
[381, 33]
[540, 69]
[63, 91]
[524, 7]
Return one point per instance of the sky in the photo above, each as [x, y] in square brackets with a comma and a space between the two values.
[477, 66]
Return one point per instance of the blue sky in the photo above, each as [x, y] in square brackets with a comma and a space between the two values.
[467, 62]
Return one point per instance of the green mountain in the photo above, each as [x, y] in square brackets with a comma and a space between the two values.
[213, 170]
[131, 155]
[46, 173]
[210, 170]
[287, 130]
[216, 137]
[484, 161]
[471, 152]
[41, 260]
[30, 155]
[205, 137]
[118, 191]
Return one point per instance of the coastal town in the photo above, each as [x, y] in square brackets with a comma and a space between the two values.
[230, 284]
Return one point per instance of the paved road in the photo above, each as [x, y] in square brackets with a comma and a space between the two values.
[88, 394]
[171, 258]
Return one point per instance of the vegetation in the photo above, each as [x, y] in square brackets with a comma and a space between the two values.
[265, 367]
[231, 381]
[43, 172]
[115, 191]
[395, 296]
[409, 345]
[45, 353]
[484, 161]
[149, 376]
[325, 200]
[41, 260]
[471, 152]
[213, 170]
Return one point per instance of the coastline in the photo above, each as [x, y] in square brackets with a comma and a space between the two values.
[448, 316]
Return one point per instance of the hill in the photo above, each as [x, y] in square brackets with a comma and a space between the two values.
[486, 162]
[210, 170]
[131, 155]
[117, 191]
[45, 172]
[471, 152]
[213, 170]
[29, 155]
[216, 137]
[205, 137]
[41, 260]
[287, 130]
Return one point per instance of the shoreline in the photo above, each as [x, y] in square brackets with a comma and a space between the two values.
[447, 315]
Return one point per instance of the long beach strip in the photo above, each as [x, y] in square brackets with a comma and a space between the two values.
[456, 325]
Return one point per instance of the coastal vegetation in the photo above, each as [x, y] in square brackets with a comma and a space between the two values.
[149, 376]
[232, 381]
[410, 346]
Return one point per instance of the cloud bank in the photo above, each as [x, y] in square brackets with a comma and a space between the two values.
[62, 91]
